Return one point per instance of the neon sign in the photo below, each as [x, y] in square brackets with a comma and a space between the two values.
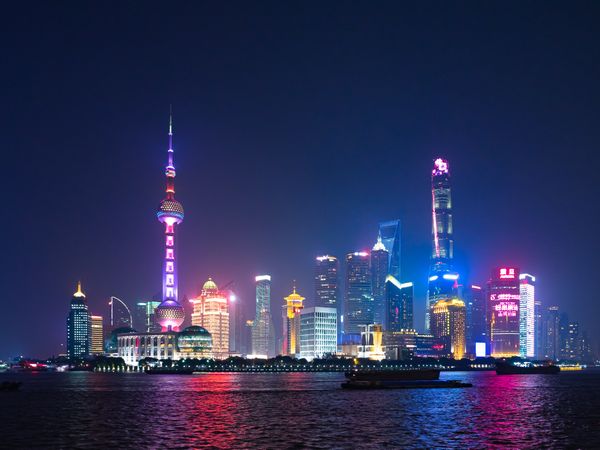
[494, 297]
[507, 273]
[506, 309]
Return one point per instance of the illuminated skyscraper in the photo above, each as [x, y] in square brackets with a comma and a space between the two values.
[443, 244]
[78, 326]
[539, 330]
[442, 280]
[263, 334]
[318, 332]
[145, 318]
[503, 312]
[170, 313]
[294, 303]
[477, 332]
[527, 316]
[399, 305]
[358, 303]
[379, 272]
[235, 323]
[390, 237]
[551, 332]
[448, 320]
[211, 313]
[96, 335]
[326, 281]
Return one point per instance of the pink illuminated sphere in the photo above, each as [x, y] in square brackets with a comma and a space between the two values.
[169, 315]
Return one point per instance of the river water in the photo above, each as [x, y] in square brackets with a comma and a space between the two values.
[297, 410]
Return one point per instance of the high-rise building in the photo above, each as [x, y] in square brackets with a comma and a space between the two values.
[235, 324]
[263, 335]
[379, 272]
[442, 280]
[539, 330]
[96, 335]
[390, 237]
[573, 342]
[443, 243]
[145, 318]
[476, 330]
[358, 303]
[170, 313]
[78, 327]
[210, 311]
[399, 305]
[503, 311]
[246, 341]
[318, 332]
[294, 303]
[563, 336]
[441, 286]
[552, 333]
[527, 316]
[326, 281]
[448, 320]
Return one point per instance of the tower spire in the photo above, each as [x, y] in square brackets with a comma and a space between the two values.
[170, 165]
[79, 293]
[379, 245]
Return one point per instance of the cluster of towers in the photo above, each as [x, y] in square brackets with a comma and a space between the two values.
[372, 316]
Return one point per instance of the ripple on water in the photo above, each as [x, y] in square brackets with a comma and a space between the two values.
[298, 410]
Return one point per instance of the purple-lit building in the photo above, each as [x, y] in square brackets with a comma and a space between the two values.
[503, 295]
[170, 313]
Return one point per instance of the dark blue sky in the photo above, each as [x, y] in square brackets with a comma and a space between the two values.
[298, 126]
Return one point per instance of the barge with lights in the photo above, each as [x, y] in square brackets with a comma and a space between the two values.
[527, 368]
[401, 379]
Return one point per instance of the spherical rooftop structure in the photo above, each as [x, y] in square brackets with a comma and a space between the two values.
[210, 285]
[195, 340]
[169, 315]
[170, 209]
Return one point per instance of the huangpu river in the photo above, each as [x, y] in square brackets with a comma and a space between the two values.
[297, 410]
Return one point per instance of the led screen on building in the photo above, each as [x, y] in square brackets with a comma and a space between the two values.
[503, 310]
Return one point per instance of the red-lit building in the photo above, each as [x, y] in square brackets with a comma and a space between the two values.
[503, 297]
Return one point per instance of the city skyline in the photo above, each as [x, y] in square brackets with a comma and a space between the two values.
[276, 176]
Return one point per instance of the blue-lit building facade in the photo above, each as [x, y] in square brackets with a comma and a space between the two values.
[78, 327]
[399, 301]
[389, 231]
[442, 283]
[476, 331]
[379, 272]
[358, 301]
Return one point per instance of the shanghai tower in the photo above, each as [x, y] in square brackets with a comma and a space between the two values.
[442, 280]
[170, 313]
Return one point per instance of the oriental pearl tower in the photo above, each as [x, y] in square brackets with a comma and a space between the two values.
[170, 313]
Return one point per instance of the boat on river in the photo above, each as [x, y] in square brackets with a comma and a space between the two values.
[398, 379]
[526, 368]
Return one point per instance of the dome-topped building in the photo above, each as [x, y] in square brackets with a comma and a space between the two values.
[210, 285]
[194, 342]
[211, 312]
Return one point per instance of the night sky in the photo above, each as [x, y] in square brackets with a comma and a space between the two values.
[298, 127]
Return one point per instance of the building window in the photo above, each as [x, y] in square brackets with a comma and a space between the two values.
[170, 253]
[170, 280]
[170, 241]
[170, 266]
